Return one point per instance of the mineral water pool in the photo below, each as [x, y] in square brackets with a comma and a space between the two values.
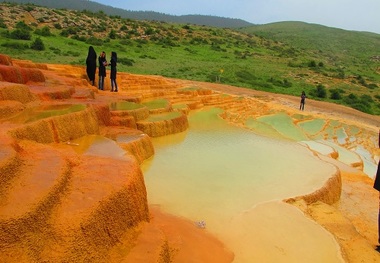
[234, 181]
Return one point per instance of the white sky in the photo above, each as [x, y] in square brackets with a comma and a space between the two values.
[356, 15]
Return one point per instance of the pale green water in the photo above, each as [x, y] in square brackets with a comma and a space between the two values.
[42, 112]
[220, 174]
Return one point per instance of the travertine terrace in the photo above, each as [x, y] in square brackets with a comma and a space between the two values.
[60, 206]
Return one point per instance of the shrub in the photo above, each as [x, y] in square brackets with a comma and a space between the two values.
[37, 44]
[15, 45]
[94, 41]
[126, 61]
[79, 38]
[335, 94]
[20, 34]
[321, 91]
[69, 31]
[71, 53]
[372, 86]
[57, 26]
[362, 81]
[362, 104]
[28, 8]
[312, 64]
[149, 31]
[21, 25]
[112, 34]
[45, 31]
[55, 50]
[280, 83]
[2, 23]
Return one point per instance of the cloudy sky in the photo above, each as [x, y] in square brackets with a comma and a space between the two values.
[360, 15]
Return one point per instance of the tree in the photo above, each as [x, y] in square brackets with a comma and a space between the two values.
[37, 44]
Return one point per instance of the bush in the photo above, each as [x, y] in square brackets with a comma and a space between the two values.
[112, 34]
[321, 91]
[126, 61]
[94, 41]
[280, 83]
[57, 26]
[37, 44]
[362, 104]
[2, 23]
[372, 86]
[15, 45]
[69, 31]
[335, 94]
[45, 31]
[22, 26]
[55, 50]
[20, 34]
[312, 64]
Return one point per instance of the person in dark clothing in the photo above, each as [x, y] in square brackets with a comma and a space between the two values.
[102, 69]
[113, 72]
[91, 64]
[376, 185]
[303, 98]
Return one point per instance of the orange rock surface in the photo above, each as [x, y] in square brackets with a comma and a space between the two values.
[60, 205]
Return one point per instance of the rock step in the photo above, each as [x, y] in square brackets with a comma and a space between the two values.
[138, 114]
[107, 198]
[150, 246]
[32, 192]
[15, 92]
[125, 121]
[55, 93]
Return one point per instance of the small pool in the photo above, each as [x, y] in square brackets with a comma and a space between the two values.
[42, 112]
[224, 175]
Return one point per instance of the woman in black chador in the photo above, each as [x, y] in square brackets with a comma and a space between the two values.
[91, 64]
[113, 72]
[102, 69]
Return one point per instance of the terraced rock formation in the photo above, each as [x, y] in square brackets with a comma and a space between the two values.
[59, 203]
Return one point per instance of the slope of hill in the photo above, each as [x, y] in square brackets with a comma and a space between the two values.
[345, 73]
[330, 41]
[138, 15]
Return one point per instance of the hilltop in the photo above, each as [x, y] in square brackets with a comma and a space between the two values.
[92, 6]
[286, 58]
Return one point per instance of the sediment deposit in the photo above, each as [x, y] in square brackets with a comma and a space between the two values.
[59, 205]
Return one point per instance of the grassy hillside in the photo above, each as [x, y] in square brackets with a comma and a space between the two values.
[92, 6]
[255, 58]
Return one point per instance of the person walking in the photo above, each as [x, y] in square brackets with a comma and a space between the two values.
[91, 65]
[113, 72]
[303, 98]
[102, 69]
[376, 185]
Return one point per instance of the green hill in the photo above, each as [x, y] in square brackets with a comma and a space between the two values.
[329, 64]
[92, 6]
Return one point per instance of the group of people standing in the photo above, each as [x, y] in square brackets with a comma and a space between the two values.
[102, 60]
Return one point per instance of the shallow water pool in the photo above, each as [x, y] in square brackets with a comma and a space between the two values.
[225, 175]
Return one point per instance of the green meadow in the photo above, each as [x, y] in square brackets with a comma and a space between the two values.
[328, 64]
